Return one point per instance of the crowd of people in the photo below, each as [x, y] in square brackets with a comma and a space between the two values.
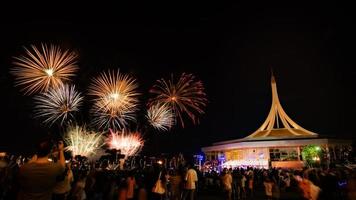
[311, 184]
[45, 177]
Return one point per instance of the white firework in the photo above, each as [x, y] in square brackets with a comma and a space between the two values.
[161, 117]
[105, 118]
[58, 104]
[83, 142]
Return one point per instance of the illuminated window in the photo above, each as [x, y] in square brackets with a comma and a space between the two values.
[283, 154]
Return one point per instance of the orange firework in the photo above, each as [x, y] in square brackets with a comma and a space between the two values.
[115, 97]
[185, 96]
[42, 68]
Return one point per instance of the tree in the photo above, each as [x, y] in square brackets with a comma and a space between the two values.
[311, 155]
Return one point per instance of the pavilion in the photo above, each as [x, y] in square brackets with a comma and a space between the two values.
[277, 143]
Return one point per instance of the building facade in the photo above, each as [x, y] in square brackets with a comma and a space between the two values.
[279, 142]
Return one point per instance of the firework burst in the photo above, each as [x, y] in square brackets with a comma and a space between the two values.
[43, 68]
[58, 104]
[115, 97]
[160, 116]
[129, 144]
[104, 117]
[83, 142]
[185, 96]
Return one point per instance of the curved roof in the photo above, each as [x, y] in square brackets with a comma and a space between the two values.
[282, 133]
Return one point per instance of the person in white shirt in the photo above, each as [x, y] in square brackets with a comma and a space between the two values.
[191, 179]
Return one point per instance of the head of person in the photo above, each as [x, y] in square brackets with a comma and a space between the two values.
[268, 179]
[172, 172]
[190, 165]
[224, 170]
[44, 148]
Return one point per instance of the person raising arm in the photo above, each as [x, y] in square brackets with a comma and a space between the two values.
[38, 177]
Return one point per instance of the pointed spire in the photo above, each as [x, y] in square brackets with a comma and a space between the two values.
[272, 76]
[277, 115]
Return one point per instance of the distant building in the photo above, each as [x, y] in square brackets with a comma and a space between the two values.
[277, 143]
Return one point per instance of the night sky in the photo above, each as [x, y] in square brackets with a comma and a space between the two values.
[231, 48]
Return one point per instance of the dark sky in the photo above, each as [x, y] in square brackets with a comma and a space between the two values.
[230, 47]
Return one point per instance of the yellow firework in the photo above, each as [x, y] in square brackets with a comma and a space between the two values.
[58, 104]
[128, 143]
[160, 116]
[115, 97]
[42, 68]
[184, 96]
[83, 142]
